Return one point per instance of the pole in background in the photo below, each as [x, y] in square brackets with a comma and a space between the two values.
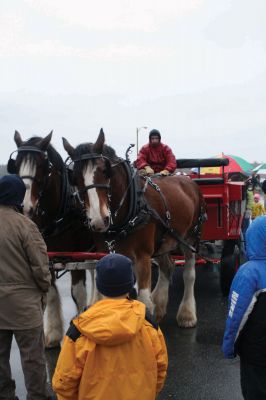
[137, 137]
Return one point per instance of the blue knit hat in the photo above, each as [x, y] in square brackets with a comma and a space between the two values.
[12, 190]
[114, 275]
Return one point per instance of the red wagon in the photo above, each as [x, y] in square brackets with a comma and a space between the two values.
[225, 206]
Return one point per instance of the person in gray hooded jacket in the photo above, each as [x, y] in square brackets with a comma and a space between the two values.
[24, 282]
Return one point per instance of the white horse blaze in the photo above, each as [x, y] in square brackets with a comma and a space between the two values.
[94, 212]
[27, 168]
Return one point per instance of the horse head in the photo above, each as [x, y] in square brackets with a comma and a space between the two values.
[92, 170]
[32, 165]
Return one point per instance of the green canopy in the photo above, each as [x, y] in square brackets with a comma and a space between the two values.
[260, 169]
[245, 165]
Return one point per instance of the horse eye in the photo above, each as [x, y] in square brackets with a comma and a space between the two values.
[100, 164]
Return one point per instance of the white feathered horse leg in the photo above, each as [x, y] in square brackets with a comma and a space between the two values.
[161, 291]
[78, 290]
[186, 315]
[94, 294]
[143, 271]
[53, 326]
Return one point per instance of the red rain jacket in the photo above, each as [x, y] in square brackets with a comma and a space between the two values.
[158, 158]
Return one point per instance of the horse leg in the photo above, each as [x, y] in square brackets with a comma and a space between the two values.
[143, 271]
[161, 290]
[186, 315]
[94, 294]
[78, 290]
[54, 320]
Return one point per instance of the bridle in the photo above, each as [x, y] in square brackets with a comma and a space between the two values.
[90, 156]
[42, 183]
[94, 156]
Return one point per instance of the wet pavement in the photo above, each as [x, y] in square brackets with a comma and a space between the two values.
[197, 369]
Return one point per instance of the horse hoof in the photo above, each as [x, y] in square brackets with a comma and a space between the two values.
[186, 323]
[186, 320]
[51, 344]
[186, 316]
[159, 313]
[158, 318]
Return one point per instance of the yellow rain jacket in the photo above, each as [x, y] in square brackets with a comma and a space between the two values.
[111, 352]
[257, 210]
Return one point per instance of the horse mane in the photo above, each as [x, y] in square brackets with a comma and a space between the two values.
[53, 156]
[88, 148]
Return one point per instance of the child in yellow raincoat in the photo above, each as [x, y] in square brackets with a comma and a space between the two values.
[114, 350]
[257, 207]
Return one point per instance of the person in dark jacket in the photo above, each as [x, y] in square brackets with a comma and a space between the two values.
[255, 181]
[245, 332]
[24, 281]
[263, 186]
[156, 157]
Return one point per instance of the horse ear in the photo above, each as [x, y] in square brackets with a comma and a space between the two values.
[18, 139]
[98, 145]
[69, 149]
[44, 143]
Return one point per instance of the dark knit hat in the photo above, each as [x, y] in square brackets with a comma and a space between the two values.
[154, 132]
[114, 275]
[12, 190]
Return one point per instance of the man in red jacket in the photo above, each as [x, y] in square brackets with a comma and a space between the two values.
[156, 157]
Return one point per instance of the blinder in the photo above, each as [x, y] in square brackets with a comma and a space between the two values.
[92, 156]
[11, 164]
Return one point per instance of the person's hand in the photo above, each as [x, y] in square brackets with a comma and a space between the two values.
[164, 172]
[149, 170]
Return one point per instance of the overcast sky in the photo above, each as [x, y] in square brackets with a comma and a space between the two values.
[194, 69]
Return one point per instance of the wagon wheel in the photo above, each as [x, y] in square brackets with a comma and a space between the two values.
[230, 262]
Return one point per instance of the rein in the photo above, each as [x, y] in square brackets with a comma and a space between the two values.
[166, 223]
[157, 188]
[132, 191]
[126, 192]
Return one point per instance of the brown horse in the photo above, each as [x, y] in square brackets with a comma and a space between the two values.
[141, 218]
[50, 204]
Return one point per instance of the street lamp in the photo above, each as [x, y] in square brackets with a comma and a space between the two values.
[137, 137]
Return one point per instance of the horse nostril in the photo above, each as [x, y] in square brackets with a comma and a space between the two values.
[106, 221]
